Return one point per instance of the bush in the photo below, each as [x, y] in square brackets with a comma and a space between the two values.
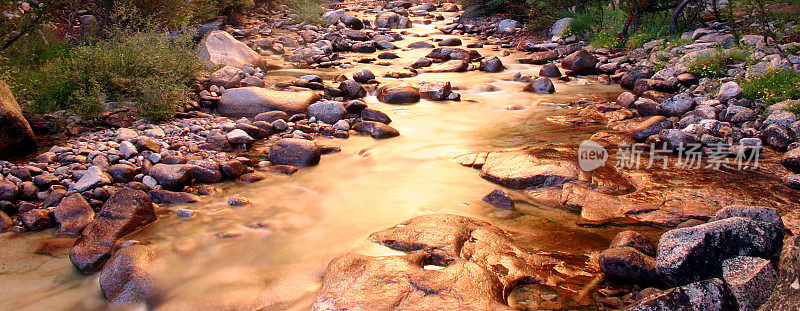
[715, 65]
[773, 86]
[148, 69]
[309, 11]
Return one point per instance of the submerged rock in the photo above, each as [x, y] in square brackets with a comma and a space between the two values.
[125, 212]
[126, 279]
[398, 94]
[358, 282]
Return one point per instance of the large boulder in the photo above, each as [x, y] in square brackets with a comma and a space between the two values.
[250, 101]
[219, 48]
[581, 62]
[751, 280]
[125, 212]
[541, 86]
[73, 214]
[695, 253]
[295, 152]
[16, 135]
[560, 25]
[519, 170]
[126, 279]
[398, 94]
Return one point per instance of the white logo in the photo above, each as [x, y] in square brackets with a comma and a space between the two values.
[591, 155]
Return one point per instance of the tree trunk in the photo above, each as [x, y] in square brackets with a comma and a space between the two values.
[673, 21]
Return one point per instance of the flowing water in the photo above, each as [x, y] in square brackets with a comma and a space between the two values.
[271, 254]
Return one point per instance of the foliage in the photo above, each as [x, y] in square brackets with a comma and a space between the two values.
[715, 65]
[146, 68]
[647, 33]
[309, 11]
[773, 86]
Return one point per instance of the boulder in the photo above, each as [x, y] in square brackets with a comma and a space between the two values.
[358, 282]
[36, 219]
[435, 90]
[295, 152]
[677, 105]
[636, 240]
[690, 254]
[559, 26]
[450, 66]
[751, 280]
[219, 48]
[8, 190]
[540, 58]
[363, 76]
[492, 64]
[581, 62]
[125, 279]
[350, 89]
[628, 80]
[651, 126]
[391, 20]
[170, 197]
[398, 94]
[369, 114]
[125, 212]
[16, 135]
[708, 295]
[540, 86]
[376, 129]
[790, 160]
[327, 111]
[550, 71]
[239, 137]
[786, 295]
[628, 265]
[171, 176]
[251, 101]
[228, 77]
[728, 91]
[94, 177]
[519, 170]
[73, 214]
[450, 42]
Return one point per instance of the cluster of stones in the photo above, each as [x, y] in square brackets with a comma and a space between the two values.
[724, 264]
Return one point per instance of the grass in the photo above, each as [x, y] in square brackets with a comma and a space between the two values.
[774, 86]
[715, 65]
[309, 11]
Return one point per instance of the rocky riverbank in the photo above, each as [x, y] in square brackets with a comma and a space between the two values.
[251, 124]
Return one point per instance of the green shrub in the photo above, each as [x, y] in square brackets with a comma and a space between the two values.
[647, 33]
[773, 86]
[148, 69]
[309, 11]
[715, 65]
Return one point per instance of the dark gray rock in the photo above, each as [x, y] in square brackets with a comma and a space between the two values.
[376, 130]
[550, 71]
[363, 76]
[708, 295]
[690, 254]
[492, 64]
[171, 176]
[751, 280]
